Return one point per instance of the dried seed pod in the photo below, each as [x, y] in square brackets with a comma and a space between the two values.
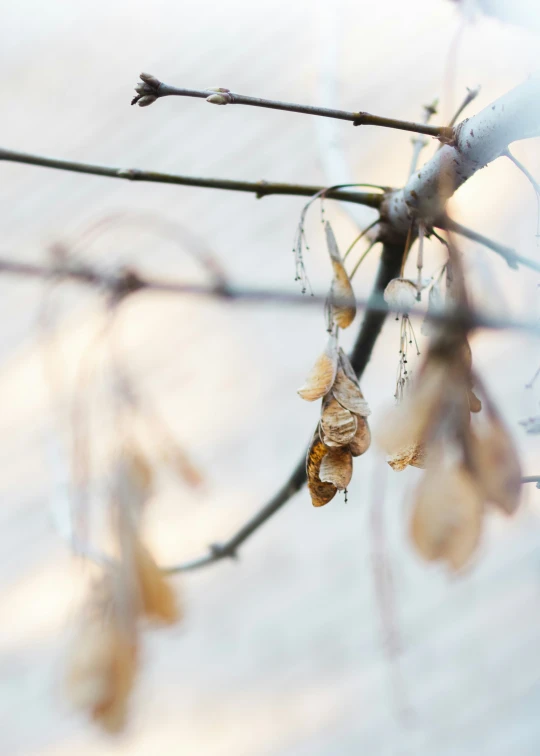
[322, 375]
[341, 296]
[321, 493]
[101, 670]
[361, 440]
[336, 467]
[447, 518]
[338, 425]
[495, 464]
[414, 455]
[349, 395]
[400, 294]
[157, 597]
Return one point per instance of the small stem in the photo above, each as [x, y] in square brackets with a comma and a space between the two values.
[360, 236]
[535, 185]
[419, 144]
[362, 258]
[471, 95]
[153, 88]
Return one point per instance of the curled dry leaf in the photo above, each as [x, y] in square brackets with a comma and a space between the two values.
[157, 597]
[496, 465]
[341, 292]
[336, 467]
[101, 671]
[322, 375]
[414, 455]
[321, 493]
[400, 294]
[447, 518]
[349, 395]
[338, 425]
[361, 440]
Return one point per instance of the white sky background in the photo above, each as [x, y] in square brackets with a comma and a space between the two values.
[283, 653]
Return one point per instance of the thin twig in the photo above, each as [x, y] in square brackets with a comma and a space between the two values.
[535, 185]
[507, 253]
[472, 94]
[150, 89]
[258, 188]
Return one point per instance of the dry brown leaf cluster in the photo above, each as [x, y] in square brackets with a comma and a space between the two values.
[343, 431]
[103, 663]
[467, 464]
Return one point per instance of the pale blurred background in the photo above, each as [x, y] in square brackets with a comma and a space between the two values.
[286, 652]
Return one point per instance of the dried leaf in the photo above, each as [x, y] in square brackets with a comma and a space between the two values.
[349, 395]
[157, 597]
[341, 292]
[496, 465]
[361, 440]
[322, 375]
[336, 467]
[338, 425]
[101, 671]
[321, 493]
[447, 518]
[400, 294]
[414, 455]
[407, 423]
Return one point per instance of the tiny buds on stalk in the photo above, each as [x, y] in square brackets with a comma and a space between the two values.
[147, 90]
[218, 98]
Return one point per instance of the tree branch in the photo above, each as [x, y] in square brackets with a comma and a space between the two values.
[507, 253]
[259, 188]
[478, 141]
[150, 89]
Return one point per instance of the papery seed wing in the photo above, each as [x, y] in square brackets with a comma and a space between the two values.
[336, 467]
[349, 395]
[157, 596]
[361, 440]
[321, 493]
[475, 405]
[341, 292]
[447, 517]
[322, 375]
[414, 455]
[338, 425]
[496, 465]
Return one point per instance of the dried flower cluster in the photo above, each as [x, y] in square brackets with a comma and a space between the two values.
[103, 662]
[343, 431]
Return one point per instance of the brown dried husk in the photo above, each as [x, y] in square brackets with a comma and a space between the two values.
[338, 425]
[475, 405]
[348, 394]
[361, 441]
[336, 467]
[321, 493]
[158, 599]
[447, 518]
[101, 672]
[322, 375]
[341, 292]
[496, 465]
[400, 294]
[414, 455]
